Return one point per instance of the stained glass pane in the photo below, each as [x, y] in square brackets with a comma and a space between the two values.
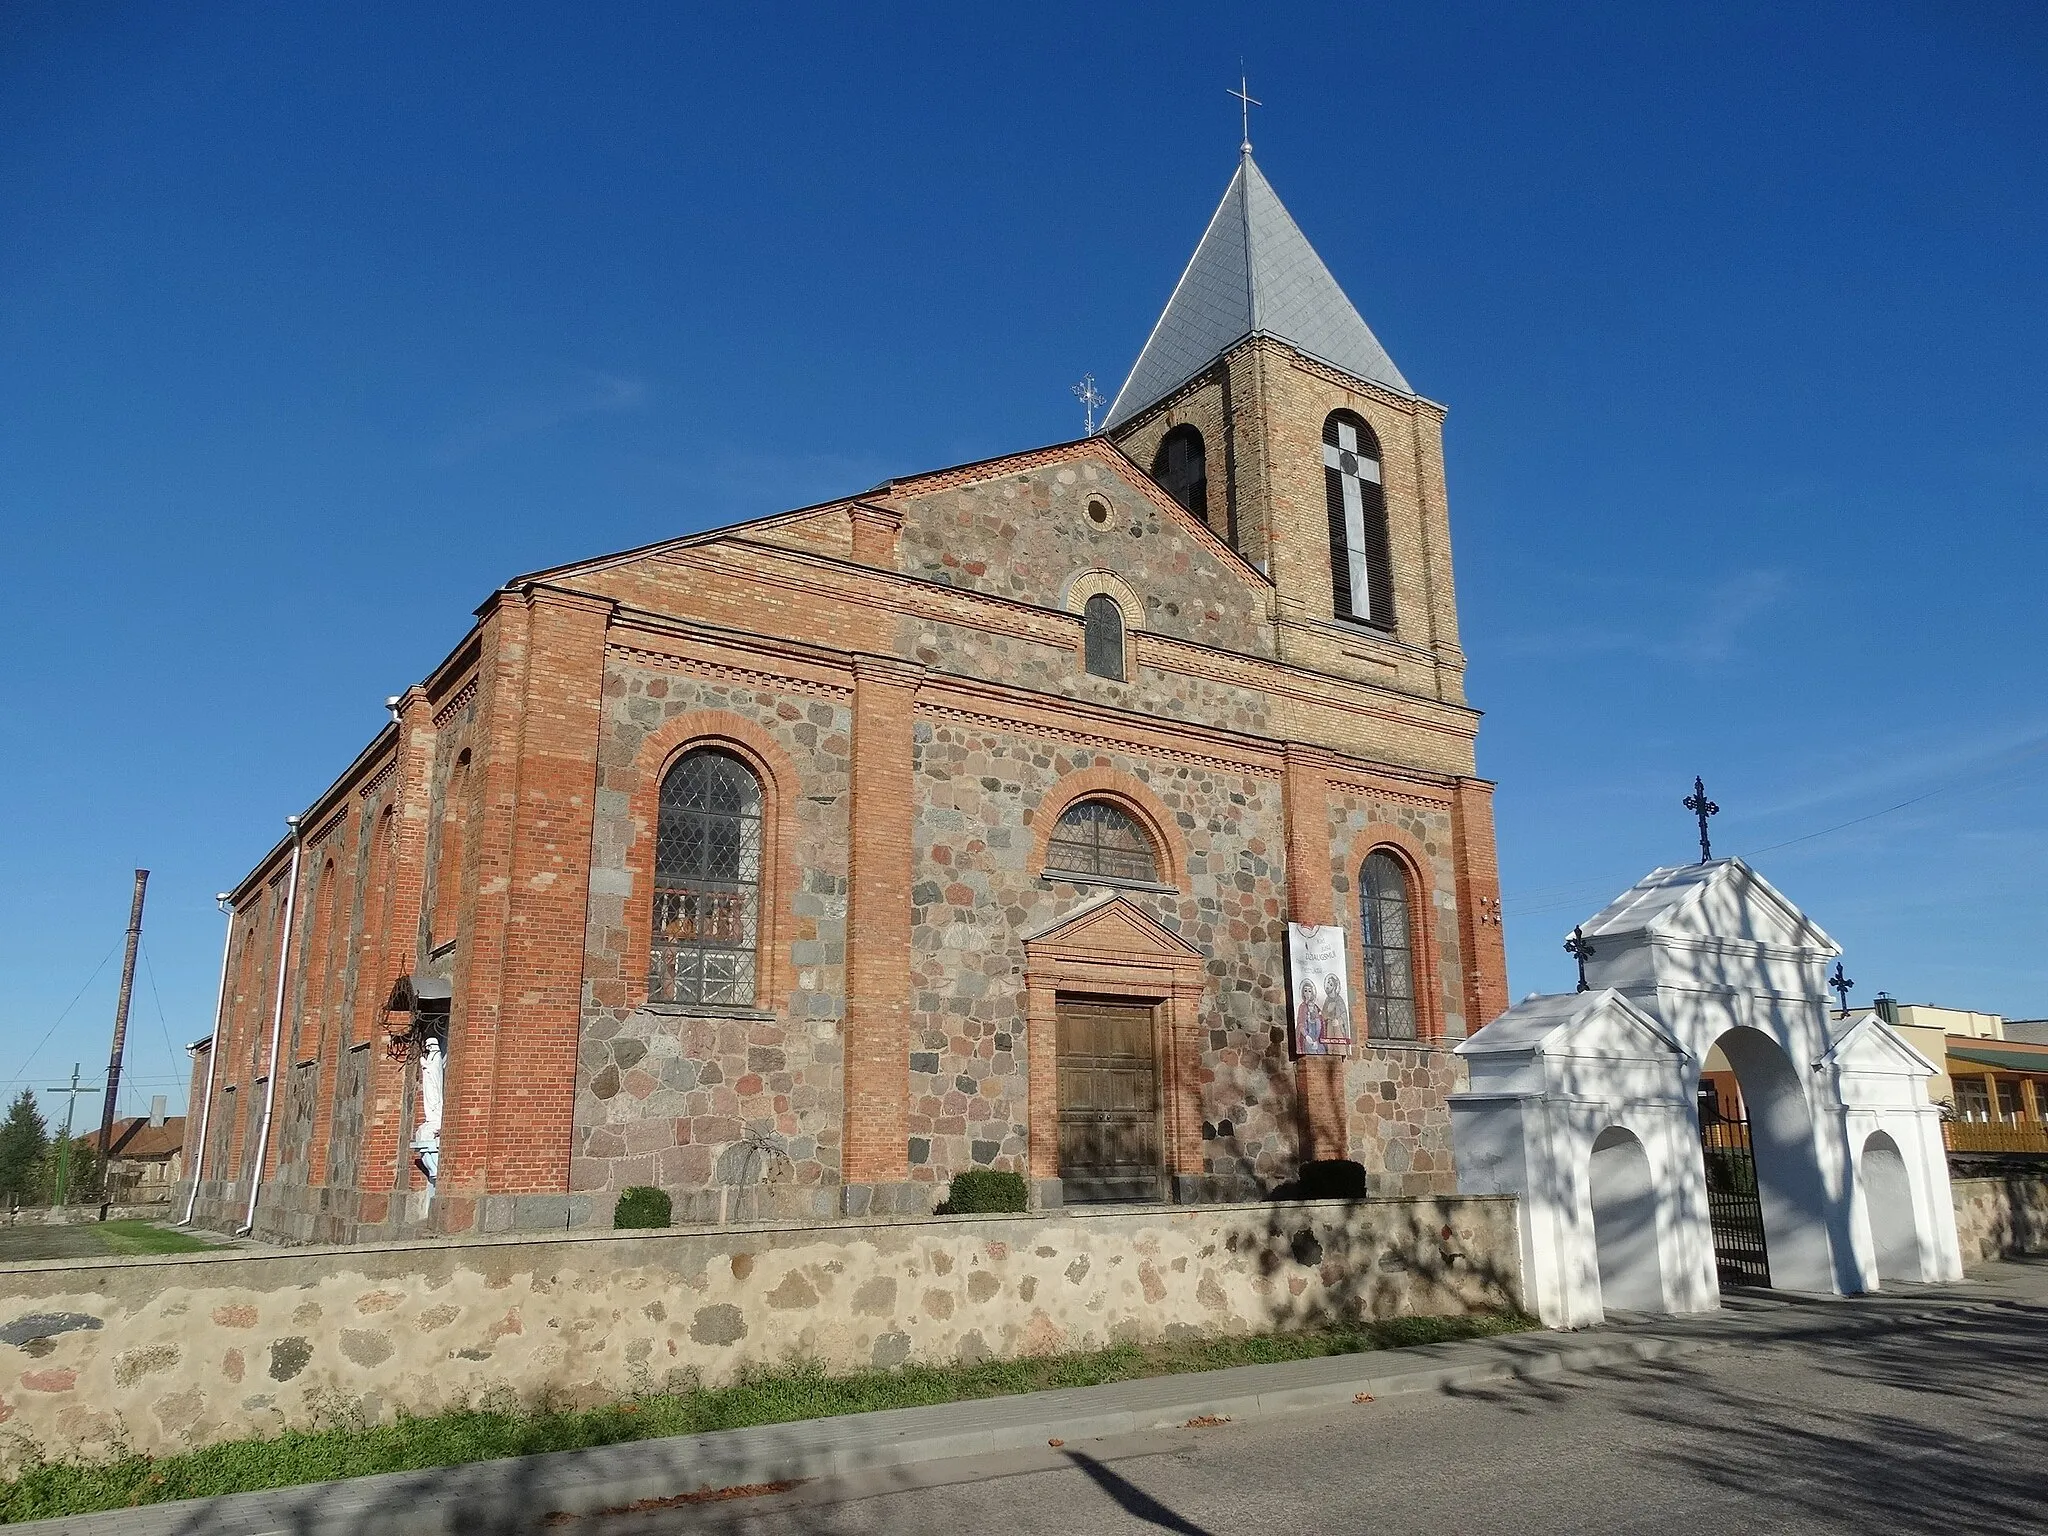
[707, 882]
[1384, 935]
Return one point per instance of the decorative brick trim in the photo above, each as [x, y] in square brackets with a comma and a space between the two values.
[378, 780]
[780, 787]
[455, 701]
[752, 677]
[1422, 915]
[1129, 794]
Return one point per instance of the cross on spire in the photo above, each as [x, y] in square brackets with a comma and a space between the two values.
[1245, 102]
[1701, 807]
[1090, 398]
[1839, 984]
[1580, 948]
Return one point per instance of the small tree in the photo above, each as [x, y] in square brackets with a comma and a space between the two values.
[24, 1144]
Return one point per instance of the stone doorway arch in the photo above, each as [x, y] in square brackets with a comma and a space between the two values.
[1624, 1200]
[1788, 1181]
[1888, 1205]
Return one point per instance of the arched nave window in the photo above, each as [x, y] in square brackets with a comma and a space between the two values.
[707, 882]
[1387, 937]
[1096, 837]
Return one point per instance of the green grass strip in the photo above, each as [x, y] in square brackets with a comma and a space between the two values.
[776, 1395]
[145, 1237]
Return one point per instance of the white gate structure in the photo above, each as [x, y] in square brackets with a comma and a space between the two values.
[1586, 1106]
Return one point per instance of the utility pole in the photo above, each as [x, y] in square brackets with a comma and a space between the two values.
[120, 1030]
[64, 1140]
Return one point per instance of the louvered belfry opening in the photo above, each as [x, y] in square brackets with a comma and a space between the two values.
[707, 882]
[1108, 1101]
[1182, 469]
[1361, 567]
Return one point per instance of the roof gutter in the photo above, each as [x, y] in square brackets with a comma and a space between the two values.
[284, 956]
[220, 1008]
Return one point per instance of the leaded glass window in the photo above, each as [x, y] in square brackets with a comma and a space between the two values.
[1097, 838]
[1384, 931]
[1103, 639]
[707, 882]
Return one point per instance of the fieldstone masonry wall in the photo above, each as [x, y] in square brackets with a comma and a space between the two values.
[166, 1354]
[735, 1110]
[2001, 1217]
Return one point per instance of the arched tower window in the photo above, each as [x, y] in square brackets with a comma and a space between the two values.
[707, 882]
[1387, 937]
[1182, 468]
[1361, 572]
[1096, 837]
[1103, 640]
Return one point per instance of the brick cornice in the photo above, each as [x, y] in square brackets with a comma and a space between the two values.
[888, 671]
[821, 576]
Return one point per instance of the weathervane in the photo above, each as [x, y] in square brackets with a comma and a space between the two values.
[1245, 102]
[1579, 947]
[1701, 807]
[1090, 398]
[1839, 984]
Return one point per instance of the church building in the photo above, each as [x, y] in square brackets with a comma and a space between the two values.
[797, 866]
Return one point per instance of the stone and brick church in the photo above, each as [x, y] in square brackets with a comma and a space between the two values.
[796, 866]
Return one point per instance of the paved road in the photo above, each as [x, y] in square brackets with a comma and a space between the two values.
[1922, 1420]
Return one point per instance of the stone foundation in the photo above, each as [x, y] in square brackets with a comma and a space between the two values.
[168, 1353]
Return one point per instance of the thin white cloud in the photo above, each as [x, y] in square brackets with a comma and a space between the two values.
[587, 392]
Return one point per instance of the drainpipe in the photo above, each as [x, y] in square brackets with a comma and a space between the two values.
[284, 957]
[220, 1008]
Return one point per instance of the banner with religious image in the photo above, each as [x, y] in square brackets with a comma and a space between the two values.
[1319, 996]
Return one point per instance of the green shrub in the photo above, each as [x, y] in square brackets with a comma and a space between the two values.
[642, 1205]
[983, 1189]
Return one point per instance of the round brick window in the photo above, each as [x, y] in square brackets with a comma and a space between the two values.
[1098, 511]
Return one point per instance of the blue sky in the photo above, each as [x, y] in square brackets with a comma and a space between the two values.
[316, 322]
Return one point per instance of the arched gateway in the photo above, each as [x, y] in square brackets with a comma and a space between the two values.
[1824, 1171]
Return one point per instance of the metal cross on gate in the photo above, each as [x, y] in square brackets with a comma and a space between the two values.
[1839, 984]
[1579, 947]
[1701, 807]
[1355, 470]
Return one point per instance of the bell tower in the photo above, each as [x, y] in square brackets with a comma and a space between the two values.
[1264, 404]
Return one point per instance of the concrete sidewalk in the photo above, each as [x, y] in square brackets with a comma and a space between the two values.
[517, 1495]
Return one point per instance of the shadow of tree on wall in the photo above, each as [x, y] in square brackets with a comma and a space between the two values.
[1331, 1262]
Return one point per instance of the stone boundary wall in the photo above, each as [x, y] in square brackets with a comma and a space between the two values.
[167, 1353]
[2001, 1217]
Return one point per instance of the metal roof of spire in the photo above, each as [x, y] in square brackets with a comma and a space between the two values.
[1253, 273]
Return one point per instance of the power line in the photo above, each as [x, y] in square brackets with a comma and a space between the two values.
[66, 1013]
[162, 1024]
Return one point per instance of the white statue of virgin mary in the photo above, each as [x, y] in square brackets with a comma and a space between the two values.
[433, 1071]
